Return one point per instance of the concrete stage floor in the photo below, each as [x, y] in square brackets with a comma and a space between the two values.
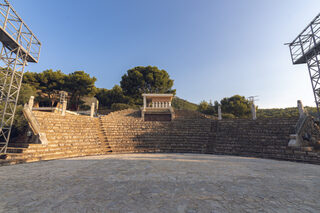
[160, 183]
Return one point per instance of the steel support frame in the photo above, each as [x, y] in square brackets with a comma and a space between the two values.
[19, 46]
[306, 42]
[11, 79]
[314, 72]
[306, 49]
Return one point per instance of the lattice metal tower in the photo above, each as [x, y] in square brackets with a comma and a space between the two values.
[306, 49]
[19, 46]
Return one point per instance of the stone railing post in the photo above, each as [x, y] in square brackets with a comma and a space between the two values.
[64, 108]
[254, 111]
[92, 110]
[31, 102]
[219, 113]
[144, 102]
[97, 105]
[301, 109]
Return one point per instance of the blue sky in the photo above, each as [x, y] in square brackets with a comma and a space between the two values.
[211, 48]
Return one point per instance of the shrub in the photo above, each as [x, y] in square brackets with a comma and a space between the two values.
[228, 116]
[119, 106]
[20, 124]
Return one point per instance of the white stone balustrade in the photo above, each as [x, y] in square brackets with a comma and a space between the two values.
[157, 104]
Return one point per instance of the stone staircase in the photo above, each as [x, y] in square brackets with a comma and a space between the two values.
[68, 136]
[126, 132]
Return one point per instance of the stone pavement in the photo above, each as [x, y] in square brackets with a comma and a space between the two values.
[160, 183]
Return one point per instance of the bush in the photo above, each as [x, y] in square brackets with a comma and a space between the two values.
[206, 108]
[119, 106]
[228, 116]
[20, 124]
[25, 92]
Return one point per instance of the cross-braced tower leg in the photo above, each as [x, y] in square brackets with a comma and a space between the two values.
[19, 46]
[314, 72]
[11, 75]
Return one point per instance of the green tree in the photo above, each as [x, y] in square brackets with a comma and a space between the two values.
[108, 97]
[206, 108]
[25, 92]
[145, 80]
[47, 82]
[236, 105]
[79, 84]
[32, 79]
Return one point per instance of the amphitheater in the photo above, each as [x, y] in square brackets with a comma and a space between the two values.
[124, 131]
[194, 163]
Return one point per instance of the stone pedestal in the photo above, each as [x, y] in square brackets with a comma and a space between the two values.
[294, 141]
[64, 107]
[97, 105]
[31, 102]
[219, 113]
[92, 110]
[254, 112]
[301, 109]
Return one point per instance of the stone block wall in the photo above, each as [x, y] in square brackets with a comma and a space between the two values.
[265, 138]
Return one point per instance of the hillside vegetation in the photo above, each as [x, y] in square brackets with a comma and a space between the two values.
[179, 103]
[284, 112]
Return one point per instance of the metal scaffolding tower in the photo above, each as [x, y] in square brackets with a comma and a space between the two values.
[19, 46]
[306, 49]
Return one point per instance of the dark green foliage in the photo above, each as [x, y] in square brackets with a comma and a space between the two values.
[269, 113]
[312, 111]
[46, 82]
[20, 124]
[49, 82]
[79, 84]
[107, 97]
[179, 103]
[31, 78]
[25, 92]
[119, 106]
[286, 112]
[148, 79]
[236, 105]
[228, 116]
[206, 108]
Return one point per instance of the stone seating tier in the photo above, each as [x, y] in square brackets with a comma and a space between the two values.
[190, 132]
[68, 136]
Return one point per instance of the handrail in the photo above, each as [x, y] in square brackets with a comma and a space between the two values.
[33, 123]
[301, 124]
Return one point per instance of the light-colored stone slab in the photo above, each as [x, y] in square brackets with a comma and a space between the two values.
[160, 183]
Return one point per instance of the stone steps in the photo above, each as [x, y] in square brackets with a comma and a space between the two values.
[126, 132]
[68, 136]
[61, 153]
